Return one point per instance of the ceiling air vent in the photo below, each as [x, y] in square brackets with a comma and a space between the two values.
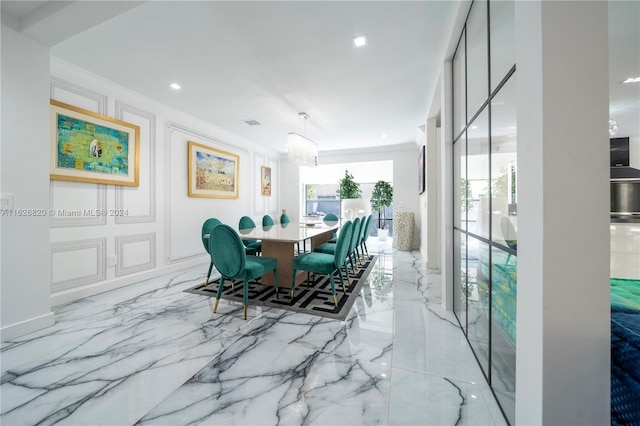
[252, 122]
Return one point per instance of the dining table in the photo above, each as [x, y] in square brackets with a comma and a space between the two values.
[279, 241]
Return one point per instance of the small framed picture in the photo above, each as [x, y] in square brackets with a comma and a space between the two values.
[265, 181]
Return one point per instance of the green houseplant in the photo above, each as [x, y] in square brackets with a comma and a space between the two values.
[349, 188]
[381, 197]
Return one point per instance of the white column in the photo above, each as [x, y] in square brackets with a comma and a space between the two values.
[563, 213]
[446, 186]
[25, 276]
[432, 187]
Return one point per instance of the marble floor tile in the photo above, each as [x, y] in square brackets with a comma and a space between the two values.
[149, 353]
[426, 399]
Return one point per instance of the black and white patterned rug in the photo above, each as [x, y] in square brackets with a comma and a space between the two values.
[312, 298]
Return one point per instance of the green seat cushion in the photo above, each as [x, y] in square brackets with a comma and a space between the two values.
[328, 248]
[321, 263]
[625, 292]
[253, 269]
[253, 244]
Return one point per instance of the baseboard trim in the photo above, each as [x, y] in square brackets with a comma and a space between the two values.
[23, 328]
[66, 296]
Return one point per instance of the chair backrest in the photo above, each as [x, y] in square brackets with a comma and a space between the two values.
[330, 217]
[355, 233]
[365, 229]
[227, 251]
[284, 218]
[207, 227]
[344, 240]
[246, 222]
[267, 220]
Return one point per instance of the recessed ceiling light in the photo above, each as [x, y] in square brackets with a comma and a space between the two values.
[631, 80]
[175, 86]
[384, 136]
[360, 41]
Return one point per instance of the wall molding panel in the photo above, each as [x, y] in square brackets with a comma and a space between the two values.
[121, 243]
[120, 110]
[100, 272]
[60, 221]
[59, 86]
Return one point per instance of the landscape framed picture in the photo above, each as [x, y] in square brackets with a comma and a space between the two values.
[421, 170]
[213, 173]
[90, 147]
[265, 181]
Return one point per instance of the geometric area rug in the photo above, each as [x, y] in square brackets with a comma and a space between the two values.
[310, 298]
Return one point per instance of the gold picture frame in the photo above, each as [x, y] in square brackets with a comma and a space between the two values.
[89, 147]
[265, 181]
[213, 173]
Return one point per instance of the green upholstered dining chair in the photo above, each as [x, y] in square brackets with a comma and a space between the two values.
[207, 227]
[323, 263]
[284, 219]
[364, 237]
[228, 256]
[352, 254]
[247, 223]
[330, 219]
[267, 220]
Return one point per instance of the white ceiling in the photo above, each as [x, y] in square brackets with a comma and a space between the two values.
[267, 61]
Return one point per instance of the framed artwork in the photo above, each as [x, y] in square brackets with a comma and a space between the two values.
[265, 181]
[213, 173]
[421, 170]
[90, 147]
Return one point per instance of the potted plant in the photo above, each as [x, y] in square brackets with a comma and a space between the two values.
[381, 198]
[350, 194]
[349, 188]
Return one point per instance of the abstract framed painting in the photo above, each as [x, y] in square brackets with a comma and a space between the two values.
[213, 173]
[421, 159]
[265, 181]
[91, 147]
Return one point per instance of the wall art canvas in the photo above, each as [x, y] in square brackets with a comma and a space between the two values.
[90, 147]
[265, 181]
[213, 173]
[421, 170]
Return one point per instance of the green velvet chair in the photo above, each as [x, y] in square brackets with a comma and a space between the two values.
[365, 236]
[284, 219]
[323, 263]
[228, 256]
[330, 219]
[364, 232]
[207, 227]
[267, 220]
[247, 223]
[352, 254]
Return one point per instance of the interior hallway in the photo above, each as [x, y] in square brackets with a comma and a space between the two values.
[151, 354]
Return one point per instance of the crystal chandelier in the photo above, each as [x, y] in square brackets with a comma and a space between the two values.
[302, 150]
[613, 127]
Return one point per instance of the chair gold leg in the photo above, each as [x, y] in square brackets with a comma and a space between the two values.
[344, 289]
[335, 300]
[215, 307]
[291, 294]
[245, 311]
[233, 286]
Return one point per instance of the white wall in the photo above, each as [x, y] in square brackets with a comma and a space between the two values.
[161, 231]
[405, 175]
[25, 265]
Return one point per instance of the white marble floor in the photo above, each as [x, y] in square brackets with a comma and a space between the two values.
[152, 354]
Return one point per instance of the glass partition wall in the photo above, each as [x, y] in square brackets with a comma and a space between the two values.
[485, 193]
